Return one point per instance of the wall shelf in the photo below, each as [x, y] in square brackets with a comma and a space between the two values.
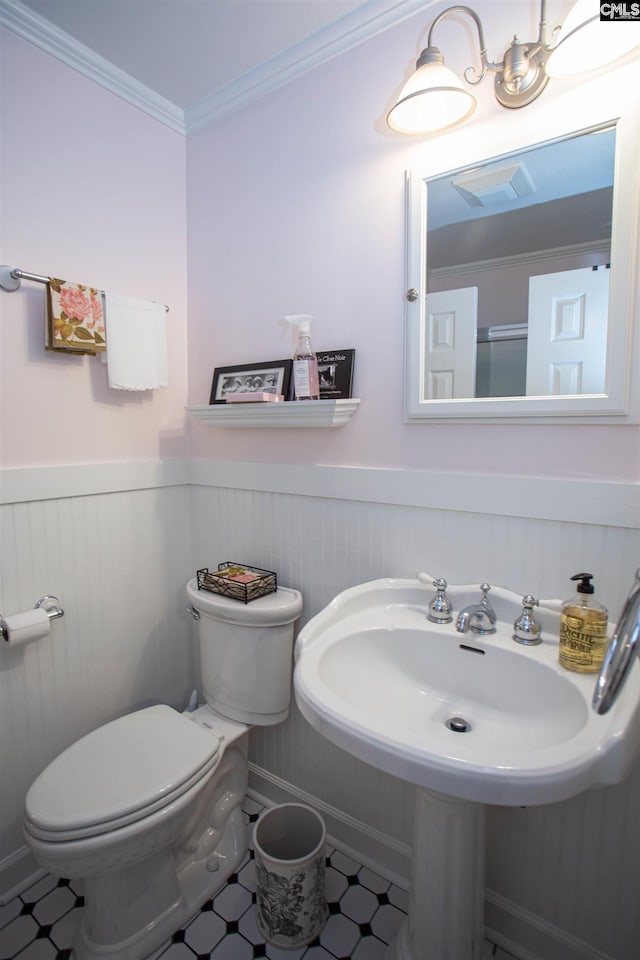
[304, 413]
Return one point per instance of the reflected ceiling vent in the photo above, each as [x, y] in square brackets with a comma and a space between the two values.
[489, 188]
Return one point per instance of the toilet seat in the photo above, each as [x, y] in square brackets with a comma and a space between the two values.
[120, 773]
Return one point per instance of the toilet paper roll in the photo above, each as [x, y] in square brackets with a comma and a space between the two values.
[23, 627]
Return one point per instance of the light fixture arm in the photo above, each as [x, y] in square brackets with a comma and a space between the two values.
[542, 29]
[541, 45]
[520, 75]
[486, 64]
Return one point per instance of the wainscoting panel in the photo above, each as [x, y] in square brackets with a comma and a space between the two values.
[569, 865]
[118, 562]
[562, 880]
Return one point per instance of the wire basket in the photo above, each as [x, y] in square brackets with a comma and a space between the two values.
[238, 581]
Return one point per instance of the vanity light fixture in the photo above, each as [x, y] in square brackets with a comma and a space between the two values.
[434, 98]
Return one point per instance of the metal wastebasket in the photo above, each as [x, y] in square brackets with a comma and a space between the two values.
[289, 843]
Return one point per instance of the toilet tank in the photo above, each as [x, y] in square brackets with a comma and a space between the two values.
[246, 653]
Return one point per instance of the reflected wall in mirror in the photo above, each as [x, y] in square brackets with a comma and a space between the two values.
[518, 252]
[520, 271]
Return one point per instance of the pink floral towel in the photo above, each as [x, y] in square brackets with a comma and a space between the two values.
[75, 318]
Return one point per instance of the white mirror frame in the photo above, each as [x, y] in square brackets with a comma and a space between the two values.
[621, 401]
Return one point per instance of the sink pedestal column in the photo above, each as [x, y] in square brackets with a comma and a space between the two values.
[446, 899]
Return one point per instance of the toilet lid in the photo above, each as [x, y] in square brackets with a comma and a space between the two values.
[138, 761]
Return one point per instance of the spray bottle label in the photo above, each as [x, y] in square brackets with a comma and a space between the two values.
[305, 379]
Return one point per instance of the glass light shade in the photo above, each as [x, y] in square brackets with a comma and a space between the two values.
[432, 99]
[586, 43]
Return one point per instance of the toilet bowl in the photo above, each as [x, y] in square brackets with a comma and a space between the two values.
[146, 809]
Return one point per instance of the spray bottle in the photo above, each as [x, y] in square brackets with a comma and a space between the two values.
[305, 364]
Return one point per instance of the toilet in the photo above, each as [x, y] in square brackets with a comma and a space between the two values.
[146, 810]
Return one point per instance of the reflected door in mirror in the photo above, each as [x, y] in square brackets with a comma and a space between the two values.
[450, 344]
[567, 343]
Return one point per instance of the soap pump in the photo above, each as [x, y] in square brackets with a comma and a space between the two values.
[305, 363]
[583, 629]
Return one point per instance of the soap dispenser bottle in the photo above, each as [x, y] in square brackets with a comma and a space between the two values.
[583, 629]
[305, 363]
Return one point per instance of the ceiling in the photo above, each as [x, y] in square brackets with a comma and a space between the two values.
[185, 49]
[192, 59]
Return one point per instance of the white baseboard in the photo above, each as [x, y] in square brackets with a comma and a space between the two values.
[529, 937]
[373, 849]
[17, 872]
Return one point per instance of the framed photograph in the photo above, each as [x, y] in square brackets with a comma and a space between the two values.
[270, 378]
[335, 373]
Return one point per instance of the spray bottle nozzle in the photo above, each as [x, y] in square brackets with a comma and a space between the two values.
[299, 324]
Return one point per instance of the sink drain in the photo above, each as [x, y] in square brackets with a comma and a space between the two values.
[458, 724]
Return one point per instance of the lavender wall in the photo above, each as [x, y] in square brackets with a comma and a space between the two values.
[92, 190]
[296, 204]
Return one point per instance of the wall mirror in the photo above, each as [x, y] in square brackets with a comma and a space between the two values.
[520, 282]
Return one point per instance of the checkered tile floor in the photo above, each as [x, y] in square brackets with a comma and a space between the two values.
[365, 911]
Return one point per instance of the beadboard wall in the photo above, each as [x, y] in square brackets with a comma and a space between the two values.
[117, 545]
[118, 561]
[562, 879]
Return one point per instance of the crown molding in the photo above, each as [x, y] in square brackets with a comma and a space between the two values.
[600, 247]
[22, 21]
[336, 38]
[366, 21]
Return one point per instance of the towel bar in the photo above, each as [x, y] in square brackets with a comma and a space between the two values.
[11, 277]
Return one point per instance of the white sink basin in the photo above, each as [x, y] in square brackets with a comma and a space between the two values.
[379, 680]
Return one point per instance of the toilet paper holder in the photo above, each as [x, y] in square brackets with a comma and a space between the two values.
[49, 603]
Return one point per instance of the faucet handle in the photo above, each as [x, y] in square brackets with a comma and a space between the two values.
[526, 628]
[484, 587]
[440, 609]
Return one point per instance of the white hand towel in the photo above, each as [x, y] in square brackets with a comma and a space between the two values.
[136, 335]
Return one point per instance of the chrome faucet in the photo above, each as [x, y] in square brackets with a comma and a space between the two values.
[619, 656]
[478, 617]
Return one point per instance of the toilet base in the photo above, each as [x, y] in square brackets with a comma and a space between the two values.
[129, 913]
[197, 886]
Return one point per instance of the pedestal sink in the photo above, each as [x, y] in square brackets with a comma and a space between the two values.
[470, 719]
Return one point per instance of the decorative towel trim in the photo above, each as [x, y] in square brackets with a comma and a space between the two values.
[75, 318]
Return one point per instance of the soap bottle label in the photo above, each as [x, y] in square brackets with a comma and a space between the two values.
[583, 639]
